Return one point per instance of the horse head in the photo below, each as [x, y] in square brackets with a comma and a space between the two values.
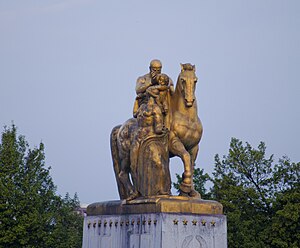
[186, 83]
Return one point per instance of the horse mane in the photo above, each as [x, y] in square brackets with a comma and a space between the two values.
[187, 67]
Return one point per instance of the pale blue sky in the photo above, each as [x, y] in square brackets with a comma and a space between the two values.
[68, 71]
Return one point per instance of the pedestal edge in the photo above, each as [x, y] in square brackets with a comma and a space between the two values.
[171, 204]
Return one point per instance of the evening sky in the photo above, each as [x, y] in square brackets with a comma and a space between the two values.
[68, 70]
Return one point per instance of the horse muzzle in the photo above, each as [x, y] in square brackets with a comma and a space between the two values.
[189, 103]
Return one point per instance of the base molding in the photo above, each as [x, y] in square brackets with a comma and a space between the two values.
[156, 204]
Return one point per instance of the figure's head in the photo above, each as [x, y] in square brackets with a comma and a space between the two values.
[162, 79]
[155, 68]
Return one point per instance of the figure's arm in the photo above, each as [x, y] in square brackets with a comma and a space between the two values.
[155, 89]
[141, 85]
[162, 87]
[159, 87]
[135, 107]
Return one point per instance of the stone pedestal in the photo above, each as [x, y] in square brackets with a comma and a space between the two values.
[155, 222]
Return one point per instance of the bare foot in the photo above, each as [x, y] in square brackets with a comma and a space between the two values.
[133, 196]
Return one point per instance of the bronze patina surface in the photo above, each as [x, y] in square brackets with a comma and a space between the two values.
[159, 204]
[165, 124]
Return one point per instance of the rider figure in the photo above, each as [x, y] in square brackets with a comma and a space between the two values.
[144, 82]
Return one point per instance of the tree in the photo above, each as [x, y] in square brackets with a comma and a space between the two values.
[68, 226]
[29, 207]
[261, 199]
[286, 220]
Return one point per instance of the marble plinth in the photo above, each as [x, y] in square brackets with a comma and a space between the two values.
[155, 223]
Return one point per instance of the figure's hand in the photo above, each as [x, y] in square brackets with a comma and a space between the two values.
[153, 82]
[159, 130]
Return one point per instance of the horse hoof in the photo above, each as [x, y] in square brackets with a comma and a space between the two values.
[185, 188]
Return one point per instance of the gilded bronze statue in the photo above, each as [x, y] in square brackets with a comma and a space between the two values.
[165, 125]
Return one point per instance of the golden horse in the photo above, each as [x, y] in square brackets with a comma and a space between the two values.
[185, 131]
[185, 126]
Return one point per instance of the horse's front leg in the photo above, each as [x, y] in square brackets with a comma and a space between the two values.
[177, 148]
[194, 153]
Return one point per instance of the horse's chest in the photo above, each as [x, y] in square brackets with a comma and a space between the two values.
[188, 131]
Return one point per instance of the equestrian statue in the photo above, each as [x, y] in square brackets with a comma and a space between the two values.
[165, 124]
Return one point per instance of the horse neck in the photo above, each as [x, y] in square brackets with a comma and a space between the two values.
[178, 104]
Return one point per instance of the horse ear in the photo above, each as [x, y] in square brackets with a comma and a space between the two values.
[181, 65]
[194, 68]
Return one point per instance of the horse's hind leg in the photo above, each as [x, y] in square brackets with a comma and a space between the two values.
[125, 180]
[124, 176]
[178, 149]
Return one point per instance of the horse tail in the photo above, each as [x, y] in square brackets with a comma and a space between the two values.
[116, 159]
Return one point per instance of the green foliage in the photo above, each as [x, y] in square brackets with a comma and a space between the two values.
[261, 199]
[31, 214]
[243, 184]
[68, 225]
[286, 219]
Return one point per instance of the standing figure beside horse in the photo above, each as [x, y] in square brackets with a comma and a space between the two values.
[141, 156]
